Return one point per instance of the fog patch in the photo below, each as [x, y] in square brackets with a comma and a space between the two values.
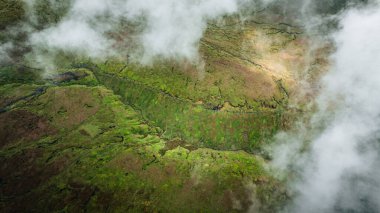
[168, 29]
[334, 155]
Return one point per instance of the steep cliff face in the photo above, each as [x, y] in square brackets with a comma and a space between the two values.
[117, 135]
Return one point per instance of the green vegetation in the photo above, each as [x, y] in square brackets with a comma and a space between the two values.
[194, 123]
[19, 74]
[117, 136]
[80, 149]
[237, 102]
[11, 11]
[49, 12]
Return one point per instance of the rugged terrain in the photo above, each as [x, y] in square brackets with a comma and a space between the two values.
[117, 136]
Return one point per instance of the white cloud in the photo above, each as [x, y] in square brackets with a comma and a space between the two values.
[171, 29]
[339, 171]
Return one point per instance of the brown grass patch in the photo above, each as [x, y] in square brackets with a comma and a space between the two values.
[71, 106]
[21, 124]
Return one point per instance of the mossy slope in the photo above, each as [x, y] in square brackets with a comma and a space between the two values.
[96, 154]
[238, 100]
